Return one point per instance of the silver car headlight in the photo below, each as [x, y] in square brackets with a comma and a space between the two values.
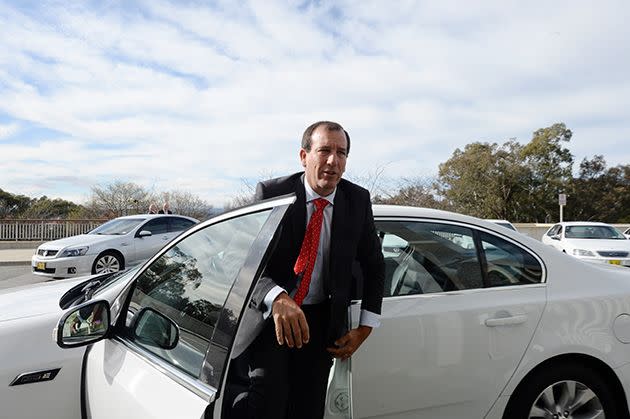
[74, 251]
[582, 252]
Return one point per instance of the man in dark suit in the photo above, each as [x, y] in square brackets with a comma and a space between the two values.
[307, 285]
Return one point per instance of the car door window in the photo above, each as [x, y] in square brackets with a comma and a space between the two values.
[179, 224]
[189, 285]
[156, 226]
[425, 257]
[508, 264]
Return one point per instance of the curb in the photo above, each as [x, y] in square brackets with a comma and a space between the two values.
[15, 263]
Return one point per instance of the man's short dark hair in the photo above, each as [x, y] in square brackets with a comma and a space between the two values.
[330, 126]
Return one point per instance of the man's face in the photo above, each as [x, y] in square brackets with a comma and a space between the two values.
[326, 161]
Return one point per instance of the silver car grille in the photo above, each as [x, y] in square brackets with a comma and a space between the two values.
[612, 254]
[47, 253]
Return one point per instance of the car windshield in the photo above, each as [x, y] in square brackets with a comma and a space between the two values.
[117, 226]
[593, 232]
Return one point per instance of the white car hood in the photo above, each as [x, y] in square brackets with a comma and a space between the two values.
[34, 300]
[596, 244]
[81, 239]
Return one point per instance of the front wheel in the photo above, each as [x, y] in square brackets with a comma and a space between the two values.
[107, 262]
[563, 391]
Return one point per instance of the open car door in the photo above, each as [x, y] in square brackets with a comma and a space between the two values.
[168, 352]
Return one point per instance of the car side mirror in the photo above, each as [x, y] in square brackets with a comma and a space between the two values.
[84, 325]
[152, 328]
[555, 237]
[144, 233]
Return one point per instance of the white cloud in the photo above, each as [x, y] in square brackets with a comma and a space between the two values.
[176, 95]
[7, 130]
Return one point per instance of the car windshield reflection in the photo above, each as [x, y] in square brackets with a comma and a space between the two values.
[117, 227]
[593, 232]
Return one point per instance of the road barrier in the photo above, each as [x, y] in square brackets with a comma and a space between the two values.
[44, 230]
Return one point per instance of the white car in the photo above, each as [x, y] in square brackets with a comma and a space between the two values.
[477, 322]
[627, 233]
[590, 241]
[111, 247]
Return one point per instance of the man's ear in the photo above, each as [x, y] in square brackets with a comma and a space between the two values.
[303, 157]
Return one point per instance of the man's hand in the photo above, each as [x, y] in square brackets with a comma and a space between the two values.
[291, 325]
[350, 342]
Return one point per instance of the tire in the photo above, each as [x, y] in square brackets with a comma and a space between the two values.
[563, 391]
[107, 262]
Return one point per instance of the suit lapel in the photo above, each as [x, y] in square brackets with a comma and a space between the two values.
[299, 213]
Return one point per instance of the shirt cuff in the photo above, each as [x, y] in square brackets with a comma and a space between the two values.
[269, 298]
[369, 319]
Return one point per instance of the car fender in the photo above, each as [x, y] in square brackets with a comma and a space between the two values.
[574, 320]
[28, 342]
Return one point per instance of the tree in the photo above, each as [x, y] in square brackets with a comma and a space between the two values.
[511, 181]
[550, 165]
[186, 203]
[119, 198]
[13, 205]
[484, 180]
[51, 208]
[417, 192]
[598, 193]
[245, 196]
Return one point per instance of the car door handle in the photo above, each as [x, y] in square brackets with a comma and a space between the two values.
[506, 321]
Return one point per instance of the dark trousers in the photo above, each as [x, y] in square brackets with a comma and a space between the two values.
[271, 381]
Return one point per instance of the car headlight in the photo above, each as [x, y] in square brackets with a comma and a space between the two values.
[582, 252]
[74, 251]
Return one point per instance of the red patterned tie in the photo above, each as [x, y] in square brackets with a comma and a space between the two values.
[308, 253]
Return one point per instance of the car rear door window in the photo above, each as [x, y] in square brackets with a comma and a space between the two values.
[426, 257]
[156, 226]
[429, 257]
[189, 284]
[180, 224]
[508, 264]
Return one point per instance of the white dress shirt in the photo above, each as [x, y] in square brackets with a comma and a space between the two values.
[316, 293]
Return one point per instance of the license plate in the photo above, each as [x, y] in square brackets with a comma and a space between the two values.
[614, 262]
[41, 266]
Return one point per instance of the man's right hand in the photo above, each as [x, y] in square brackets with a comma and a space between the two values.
[291, 325]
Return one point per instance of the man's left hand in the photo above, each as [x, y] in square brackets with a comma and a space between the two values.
[350, 342]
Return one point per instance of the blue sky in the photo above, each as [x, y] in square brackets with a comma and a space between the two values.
[200, 96]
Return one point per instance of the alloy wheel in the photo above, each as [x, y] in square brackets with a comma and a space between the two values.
[107, 264]
[567, 399]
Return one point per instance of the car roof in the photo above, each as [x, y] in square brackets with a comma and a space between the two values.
[149, 216]
[404, 211]
[582, 223]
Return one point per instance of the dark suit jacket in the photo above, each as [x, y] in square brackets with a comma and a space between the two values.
[353, 238]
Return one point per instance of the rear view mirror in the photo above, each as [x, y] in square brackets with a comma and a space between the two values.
[555, 237]
[144, 233]
[152, 328]
[84, 325]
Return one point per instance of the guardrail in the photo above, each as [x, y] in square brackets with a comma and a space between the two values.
[44, 230]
